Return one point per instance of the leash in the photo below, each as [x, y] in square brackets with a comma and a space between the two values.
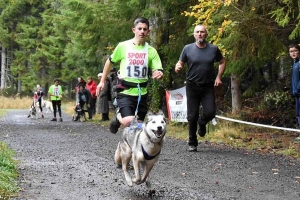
[132, 124]
[139, 99]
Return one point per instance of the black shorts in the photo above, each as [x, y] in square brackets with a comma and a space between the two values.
[128, 104]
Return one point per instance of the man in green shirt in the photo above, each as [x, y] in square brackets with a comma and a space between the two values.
[136, 59]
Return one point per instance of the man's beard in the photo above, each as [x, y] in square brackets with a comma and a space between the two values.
[201, 41]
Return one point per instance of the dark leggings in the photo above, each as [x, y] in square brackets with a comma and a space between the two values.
[58, 104]
[40, 104]
[196, 96]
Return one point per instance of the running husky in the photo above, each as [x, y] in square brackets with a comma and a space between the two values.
[143, 145]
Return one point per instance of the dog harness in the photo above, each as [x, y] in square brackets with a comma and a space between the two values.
[147, 156]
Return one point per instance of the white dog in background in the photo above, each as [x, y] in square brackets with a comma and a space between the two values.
[47, 105]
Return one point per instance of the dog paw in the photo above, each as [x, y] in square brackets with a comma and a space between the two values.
[137, 181]
[128, 180]
[129, 183]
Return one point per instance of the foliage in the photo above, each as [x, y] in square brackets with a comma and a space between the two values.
[70, 38]
[277, 100]
[8, 172]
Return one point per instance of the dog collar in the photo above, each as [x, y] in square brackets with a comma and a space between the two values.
[147, 156]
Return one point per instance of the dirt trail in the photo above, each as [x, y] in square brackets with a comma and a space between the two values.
[74, 161]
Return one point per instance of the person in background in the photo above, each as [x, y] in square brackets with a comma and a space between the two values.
[84, 97]
[55, 94]
[38, 97]
[91, 85]
[200, 81]
[80, 81]
[136, 58]
[113, 78]
[294, 51]
[39, 86]
[102, 100]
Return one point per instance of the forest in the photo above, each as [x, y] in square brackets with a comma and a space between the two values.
[45, 39]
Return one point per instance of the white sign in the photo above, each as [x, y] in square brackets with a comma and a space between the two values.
[177, 105]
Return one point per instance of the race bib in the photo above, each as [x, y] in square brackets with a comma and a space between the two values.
[56, 91]
[136, 63]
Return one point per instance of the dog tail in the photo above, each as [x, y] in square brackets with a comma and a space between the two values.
[118, 159]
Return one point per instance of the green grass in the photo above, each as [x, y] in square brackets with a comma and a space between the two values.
[8, 173]
[2, 112]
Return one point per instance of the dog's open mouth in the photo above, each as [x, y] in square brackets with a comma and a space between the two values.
[158, 133]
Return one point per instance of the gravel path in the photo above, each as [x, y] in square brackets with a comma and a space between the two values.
[74, 161]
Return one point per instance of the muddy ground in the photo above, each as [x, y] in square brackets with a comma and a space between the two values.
[74, 161]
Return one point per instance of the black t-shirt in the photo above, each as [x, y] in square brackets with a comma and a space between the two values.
[200, 62]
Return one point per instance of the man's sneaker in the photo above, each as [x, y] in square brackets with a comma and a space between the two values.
[202, 130]
[114, 123]
[53, 120]
[60, 119]
[297, 139]
[192, 148]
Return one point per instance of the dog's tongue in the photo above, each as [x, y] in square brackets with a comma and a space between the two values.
[159, 133]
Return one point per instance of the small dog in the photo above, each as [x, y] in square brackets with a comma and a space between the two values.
[143, 146]
[32, 112]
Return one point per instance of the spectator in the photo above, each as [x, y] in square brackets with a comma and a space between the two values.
[294, 51]
[102, 100]
[80, 81]
[55, 93]
[84, 97]
[92, 86]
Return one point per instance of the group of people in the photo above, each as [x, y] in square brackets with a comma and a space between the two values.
[55, 94]
[96, 103]
[137, 58]
[85, 96]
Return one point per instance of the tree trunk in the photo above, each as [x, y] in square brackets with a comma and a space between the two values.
[3, 68]
[19, 87]
[235, 93]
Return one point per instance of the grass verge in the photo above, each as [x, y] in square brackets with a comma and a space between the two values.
[8, 172]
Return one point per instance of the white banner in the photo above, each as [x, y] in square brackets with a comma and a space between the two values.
[177, 105]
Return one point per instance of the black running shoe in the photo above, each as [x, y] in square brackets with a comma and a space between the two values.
[202, 130]
[114, 123]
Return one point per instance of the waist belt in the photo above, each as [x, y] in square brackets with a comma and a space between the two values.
[122, 84]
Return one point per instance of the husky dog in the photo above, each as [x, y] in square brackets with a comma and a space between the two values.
[32, 112]
[142, 145]
[79, 114]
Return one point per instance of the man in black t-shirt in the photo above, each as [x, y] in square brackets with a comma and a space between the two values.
[200, 81]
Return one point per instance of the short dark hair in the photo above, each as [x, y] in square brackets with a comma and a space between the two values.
[294, 46]
[56, 79]
[141, 20]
